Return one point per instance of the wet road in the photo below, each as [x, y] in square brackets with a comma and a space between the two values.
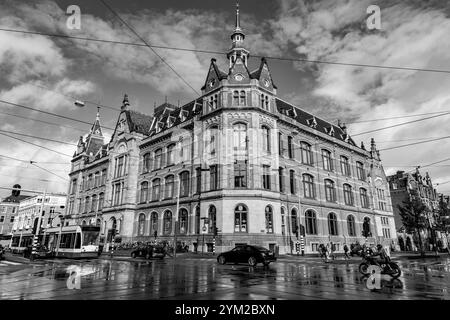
[202, 278]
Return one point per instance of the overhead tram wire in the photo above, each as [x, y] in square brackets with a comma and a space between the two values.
[51, 113]
[48, 171]
[220, 52]
[399, 124]
[148, 45]
[39, 138]
[37, 145]
[30, 161]
[397, 117]
[415, 143]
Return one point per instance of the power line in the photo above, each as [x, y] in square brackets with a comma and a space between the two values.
[415, 143]
[39, 138]
[28, 178]
[31, 168]
[37, 145]
[50, 113]
[148, 45]
[31, 161]
[398, 117]
[400, 124]
[221, 52]
[50, 172]
[66, 95]
[42, 121]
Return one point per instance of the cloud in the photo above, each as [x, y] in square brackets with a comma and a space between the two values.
[411, 36]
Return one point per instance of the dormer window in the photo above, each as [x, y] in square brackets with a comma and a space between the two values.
[294, 113]
[183, 115]
[330, 131]
[170, 121]
[312, 122]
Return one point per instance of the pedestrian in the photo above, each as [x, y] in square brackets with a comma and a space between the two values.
[327, 252]
[346, 256]
[333, 249]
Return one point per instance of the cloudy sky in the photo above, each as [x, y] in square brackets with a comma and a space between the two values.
[44, 72]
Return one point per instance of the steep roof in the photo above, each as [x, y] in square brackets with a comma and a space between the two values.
[14, 199]
[308, 119]
[139, 122]
[166, 118]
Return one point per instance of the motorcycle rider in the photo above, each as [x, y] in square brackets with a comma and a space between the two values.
[384, 257]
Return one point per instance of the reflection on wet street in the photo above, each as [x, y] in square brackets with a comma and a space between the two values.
[194, 278]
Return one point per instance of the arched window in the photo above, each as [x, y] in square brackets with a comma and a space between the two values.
[141, 224]
[360, 171]
[242, 98]
[269, 219]
[167, 229]
[240, 136]
[311, 222]
[332, 224]
[154, 223]
[236, 98]
[327, 160]
[266, 139]
[308, 186]
[170, 154]
[366, 228]
[197, 220]
[294, 222]
[240, 218]
[348, 195]
[94, 203]
[330, 191]
[144, 191]
[183, 221]
[212, 218]
[146, 163]
[364, 198]
[158, 159]
[156, 188]
[184, 187]
[101, 200]
[169, 186]
[345, 166]
[351, 226]
[307, 156]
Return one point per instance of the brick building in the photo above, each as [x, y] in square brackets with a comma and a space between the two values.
[238, 158]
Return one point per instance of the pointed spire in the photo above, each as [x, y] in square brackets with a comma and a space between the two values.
[362, 146]
[125, 103]
[238, 22]
[374, 153]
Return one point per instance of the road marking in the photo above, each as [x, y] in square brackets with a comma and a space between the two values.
[10, 263]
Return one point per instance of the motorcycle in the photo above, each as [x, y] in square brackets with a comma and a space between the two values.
[390, 268]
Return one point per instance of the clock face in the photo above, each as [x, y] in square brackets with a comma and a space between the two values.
[266, 83]
[378, 181]
[211, 83]
[239, 77]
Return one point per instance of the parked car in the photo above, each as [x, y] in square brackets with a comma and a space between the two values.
[247, 254]
[148, 251]
[41, 252]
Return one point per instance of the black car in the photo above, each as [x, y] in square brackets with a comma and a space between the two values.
[148, 251]
[41, 252]
[247, 254]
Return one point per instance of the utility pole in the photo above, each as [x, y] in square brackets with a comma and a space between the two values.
[38, 229]
[176, 219]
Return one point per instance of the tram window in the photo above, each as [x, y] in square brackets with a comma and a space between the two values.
[78, 241]
[90, 237]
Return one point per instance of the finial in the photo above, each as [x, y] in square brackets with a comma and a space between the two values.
[238, 27]
[125, 103]
[98, 113]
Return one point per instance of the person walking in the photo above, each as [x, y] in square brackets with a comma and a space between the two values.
[346, 256]
[327, 252]
[333, 249]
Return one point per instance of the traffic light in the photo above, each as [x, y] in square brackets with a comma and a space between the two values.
[296, 231]
[215, 230]
[35, 224]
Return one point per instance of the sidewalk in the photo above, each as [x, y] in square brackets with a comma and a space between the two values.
[416, 255]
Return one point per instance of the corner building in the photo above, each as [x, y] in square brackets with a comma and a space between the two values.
[244, 161]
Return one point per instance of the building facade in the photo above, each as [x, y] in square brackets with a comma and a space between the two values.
[9, 209]
[405, 185]
[236, 165]
[50, 207]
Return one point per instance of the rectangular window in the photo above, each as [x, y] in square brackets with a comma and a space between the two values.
[292, 181]
[360, 171]
[103, 177]
[97, 179]
[281, 179]
[2, 218]
[213, 177]
[199, 179]
[170, 154]
[74, 186]
[158, 159]
[280, 144]
[345, 166]
[240, 174]
[11, 220]
[117, 194]
[184, 188]
[327, 160]
[266, 177]
[290, 148]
